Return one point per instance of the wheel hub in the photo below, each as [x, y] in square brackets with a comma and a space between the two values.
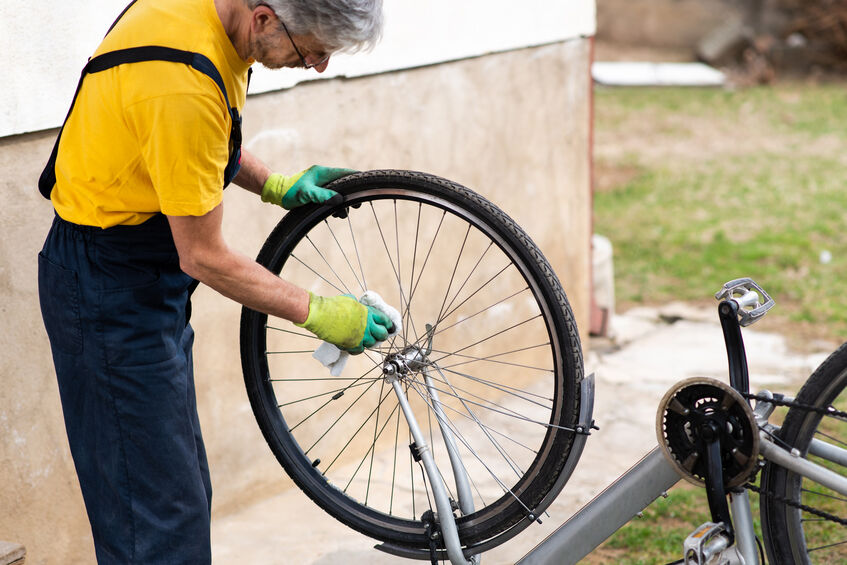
[413, 359]
[699, 410]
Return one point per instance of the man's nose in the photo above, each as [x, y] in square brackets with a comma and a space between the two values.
[322, 67]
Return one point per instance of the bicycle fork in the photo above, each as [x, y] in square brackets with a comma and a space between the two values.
[416, 359]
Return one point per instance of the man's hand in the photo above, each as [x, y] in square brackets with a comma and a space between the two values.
[345, 322]
[302, 188]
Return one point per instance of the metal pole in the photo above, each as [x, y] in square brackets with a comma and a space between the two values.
[609, 511]
[803, 467]
[742, 519]
[446, 521]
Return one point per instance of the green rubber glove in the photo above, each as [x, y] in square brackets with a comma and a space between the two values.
[345, 322]
[302, 188]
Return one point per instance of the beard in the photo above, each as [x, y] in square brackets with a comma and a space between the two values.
[265, 51]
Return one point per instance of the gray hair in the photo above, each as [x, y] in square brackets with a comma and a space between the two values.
[338, 25]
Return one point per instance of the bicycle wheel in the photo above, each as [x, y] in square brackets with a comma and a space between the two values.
[793, 535]
[505, 358]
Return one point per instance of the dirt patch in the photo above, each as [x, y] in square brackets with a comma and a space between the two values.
[610, 176]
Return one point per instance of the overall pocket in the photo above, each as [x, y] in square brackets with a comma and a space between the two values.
[58, 292]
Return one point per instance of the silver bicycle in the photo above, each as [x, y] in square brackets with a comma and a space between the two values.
[455, 435]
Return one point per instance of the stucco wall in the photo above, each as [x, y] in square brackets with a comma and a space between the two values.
[514, 126]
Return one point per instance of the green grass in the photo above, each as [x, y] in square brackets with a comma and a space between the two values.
[675, 517]
[727, 184]
[697, 187]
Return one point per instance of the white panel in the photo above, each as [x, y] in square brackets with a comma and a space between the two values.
[44, 46]
[421, 33]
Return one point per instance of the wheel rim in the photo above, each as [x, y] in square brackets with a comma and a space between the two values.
[502, 383]
[815, 540]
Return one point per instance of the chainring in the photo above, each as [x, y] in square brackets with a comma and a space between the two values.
[680, 413]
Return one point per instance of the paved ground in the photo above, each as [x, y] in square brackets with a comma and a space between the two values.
[652, 350]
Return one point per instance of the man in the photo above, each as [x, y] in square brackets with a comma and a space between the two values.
[152, 138]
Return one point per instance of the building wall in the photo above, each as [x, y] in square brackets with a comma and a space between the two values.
[513, 125]
[44, 46]
[663, 23]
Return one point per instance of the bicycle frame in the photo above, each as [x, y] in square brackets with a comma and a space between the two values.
[646, 481]
[654, 475]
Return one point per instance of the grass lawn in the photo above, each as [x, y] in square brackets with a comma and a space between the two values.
[695, 187]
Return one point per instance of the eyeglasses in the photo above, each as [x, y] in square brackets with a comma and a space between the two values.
[299, 54]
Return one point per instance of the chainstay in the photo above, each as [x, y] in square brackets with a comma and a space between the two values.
[827, 411]
[803, 507]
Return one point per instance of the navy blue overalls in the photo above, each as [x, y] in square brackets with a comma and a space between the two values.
[116, 308]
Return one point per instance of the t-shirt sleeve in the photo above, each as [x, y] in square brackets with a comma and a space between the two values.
[184, 143]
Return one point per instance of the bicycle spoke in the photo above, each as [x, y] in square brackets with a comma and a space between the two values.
[394, 466]
[399, 262]
[489, 428]
[496, 408]
[491, 359]
[339, 392]
[453, 274]
[356, 248]
[323, 257]
[513, 392]
[310, 336]
[373, 444]
[403, 302]
[428, 253]
[465, 319]
[492, 336]
[442, 318]
[810, 550]
[470, 274]
[486, 283]
[323, 435]
[479, 459]
[344, 254]
[408, 311]
[317, 274]
[830, 437]
[823, 495]
[317, 379]
[353, 436]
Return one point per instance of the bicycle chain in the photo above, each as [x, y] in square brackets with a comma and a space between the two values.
[828, 411]
[787, 502]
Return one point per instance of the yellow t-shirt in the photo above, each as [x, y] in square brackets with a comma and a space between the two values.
[151, 136]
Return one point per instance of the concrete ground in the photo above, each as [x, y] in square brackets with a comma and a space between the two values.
[650, 351]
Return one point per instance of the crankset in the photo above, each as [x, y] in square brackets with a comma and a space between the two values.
[698, 412]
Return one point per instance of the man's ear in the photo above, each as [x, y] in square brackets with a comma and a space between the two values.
[262, 19]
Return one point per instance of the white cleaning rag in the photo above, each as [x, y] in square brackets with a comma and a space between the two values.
[333, 357]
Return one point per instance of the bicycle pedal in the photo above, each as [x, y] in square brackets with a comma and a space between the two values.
[709, 545]
[753, 302]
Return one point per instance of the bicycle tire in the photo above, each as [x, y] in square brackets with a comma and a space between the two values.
[792, 535]
[378, 193]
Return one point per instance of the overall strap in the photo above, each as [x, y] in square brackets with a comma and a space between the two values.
[48, 176]
[132, 55]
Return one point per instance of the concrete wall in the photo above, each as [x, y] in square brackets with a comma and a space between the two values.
[514, 126]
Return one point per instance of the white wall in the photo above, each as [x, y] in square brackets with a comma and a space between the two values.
[42, 50]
